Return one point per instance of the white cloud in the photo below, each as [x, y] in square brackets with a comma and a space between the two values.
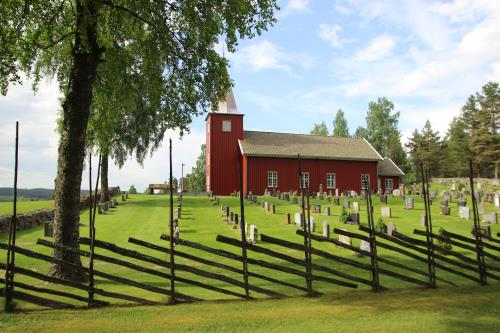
[265, 55]
[296, 6]
[379, 48]
[330, 33]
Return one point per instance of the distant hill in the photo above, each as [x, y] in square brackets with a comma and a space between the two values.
[6, 193]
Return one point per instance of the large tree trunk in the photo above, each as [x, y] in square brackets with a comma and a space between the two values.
[76, 110]
[104, 178]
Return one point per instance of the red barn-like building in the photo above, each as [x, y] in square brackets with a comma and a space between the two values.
[269, 160]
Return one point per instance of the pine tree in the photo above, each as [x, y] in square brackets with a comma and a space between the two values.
[427, 148]
[457, 143]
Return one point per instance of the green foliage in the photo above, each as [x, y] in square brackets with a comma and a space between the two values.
[320, 129]
[381, 124]
[457, 145]
[340, 127]
[443, 243]
[344, 216]
[381, 226]
[460, 187]
[196, 180]
[427, 148]
[361, 133]
[132, 190]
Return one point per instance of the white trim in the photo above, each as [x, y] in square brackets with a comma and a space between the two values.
[334, 180]
[241, 148]
[374, 149]
[272, 171]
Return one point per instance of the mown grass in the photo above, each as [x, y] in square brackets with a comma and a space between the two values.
[146, 217]
[25, 206]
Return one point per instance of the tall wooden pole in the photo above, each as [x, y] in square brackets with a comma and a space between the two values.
[92, 213]
[243, 231]
[428, 229]
[477, 232]
[373, 241]
[171, 224]
[9, 272]
[306, 222]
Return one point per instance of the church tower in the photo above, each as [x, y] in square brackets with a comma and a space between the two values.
[224, 127]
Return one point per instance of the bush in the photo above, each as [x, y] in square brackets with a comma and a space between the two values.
[443, 243]
[460, 187]
[344, 216]
[132, 190]
[381, 226]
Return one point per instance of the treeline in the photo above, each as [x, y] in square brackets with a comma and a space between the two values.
[474, 135]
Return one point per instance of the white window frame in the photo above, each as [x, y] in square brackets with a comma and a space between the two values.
[331, 183]
[305, 180]
[226, 126]
[391, 181]
[365, 181]
[272, 179]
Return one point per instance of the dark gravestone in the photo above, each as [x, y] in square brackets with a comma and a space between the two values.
[327, 211]
[236, 219]
[336, 201]
[354, 218]
[273, 208]
[445, 210]
[461, 202]
[346, 204]
[287, 218]
[383, 199]
[444, 203]
[231, 216]
[484, 230]
[48, 230]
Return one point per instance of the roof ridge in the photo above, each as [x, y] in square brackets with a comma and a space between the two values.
[302, 134]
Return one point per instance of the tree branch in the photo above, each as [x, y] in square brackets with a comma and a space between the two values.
[134, 14]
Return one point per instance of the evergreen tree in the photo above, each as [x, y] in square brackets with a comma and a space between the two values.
[340, 127]
[396, 152]
[196, 180]
[381, 124]
[457, 144]
[426, 147]
[320, 129]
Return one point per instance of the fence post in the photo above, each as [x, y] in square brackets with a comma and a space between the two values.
[9, 272]
[243, 230]
[92, 214]
[428, 229]
[477, 233]
[307, 238]
[171, 225]
[373, 241]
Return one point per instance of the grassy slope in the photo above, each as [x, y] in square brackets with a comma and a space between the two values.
[25, 206]
[145, 217]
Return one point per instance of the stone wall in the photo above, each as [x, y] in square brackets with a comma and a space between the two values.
[41, 216]
[465, 181]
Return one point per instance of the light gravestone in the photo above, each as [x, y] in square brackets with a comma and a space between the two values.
[386, 212]
[396, 193]
[409, 204]
[365, 246]
[253, 234]
[298, 219]
[423, 220]
[355, 206]
[347, 204]
[481, 208]
[464, 212]
[326, 229]
[497, 201]
[312, 225]
[432, 195]
[345, 239]
[490, 218]
[327, 211]
[391, 227]
[461, 202]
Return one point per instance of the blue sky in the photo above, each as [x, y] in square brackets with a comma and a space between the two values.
[425, 56]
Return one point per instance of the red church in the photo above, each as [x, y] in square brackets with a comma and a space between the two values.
[269, 159]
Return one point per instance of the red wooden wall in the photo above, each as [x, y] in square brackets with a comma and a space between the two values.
[222, 153]
[395, 182]
[348, 173]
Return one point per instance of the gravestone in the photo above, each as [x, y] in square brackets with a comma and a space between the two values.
[295, 200]
[385, 212]
[432, 195]
[317, 208]
[298, 220]
[409, 204]
[391, 227]
[48, 229]
[337, 192]
[497, 201]
[179, 212]
[444, 203]
[346, 204]
[479, 195]
[327, 211]
[254, 234]
[453, 187]
[336, 201]
[490, 218]
[484, 230]
[287, 218]
[353, 193]
[464, 212]
[355, 206]
[445, 210]
[345, 239]
[461, 202]
[423, 220]
[478, 186]
[396, 193]
[383, 199]
[365, 246]
[177, 232]
[236, 219]
[227, 211]
[481, 208]
[312, 225]
[262, 204]
[488, 197]
[354, 218]
[273, 208]
[326, 229]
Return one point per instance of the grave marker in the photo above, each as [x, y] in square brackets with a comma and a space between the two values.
[364, 246]
[490, 218]
[391, 227]
[445, 210]
[355, 206]
[345, 239]
[326, 229]
[385, 212]
[327, 211]
[347, 204]
[409, 204]
[464, 212]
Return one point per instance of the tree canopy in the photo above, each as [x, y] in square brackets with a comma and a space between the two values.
[340, 127]
[196, 180]
[320, 129]
[381, 124]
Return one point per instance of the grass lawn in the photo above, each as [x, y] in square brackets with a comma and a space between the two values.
[25, 206]
[404, 307]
